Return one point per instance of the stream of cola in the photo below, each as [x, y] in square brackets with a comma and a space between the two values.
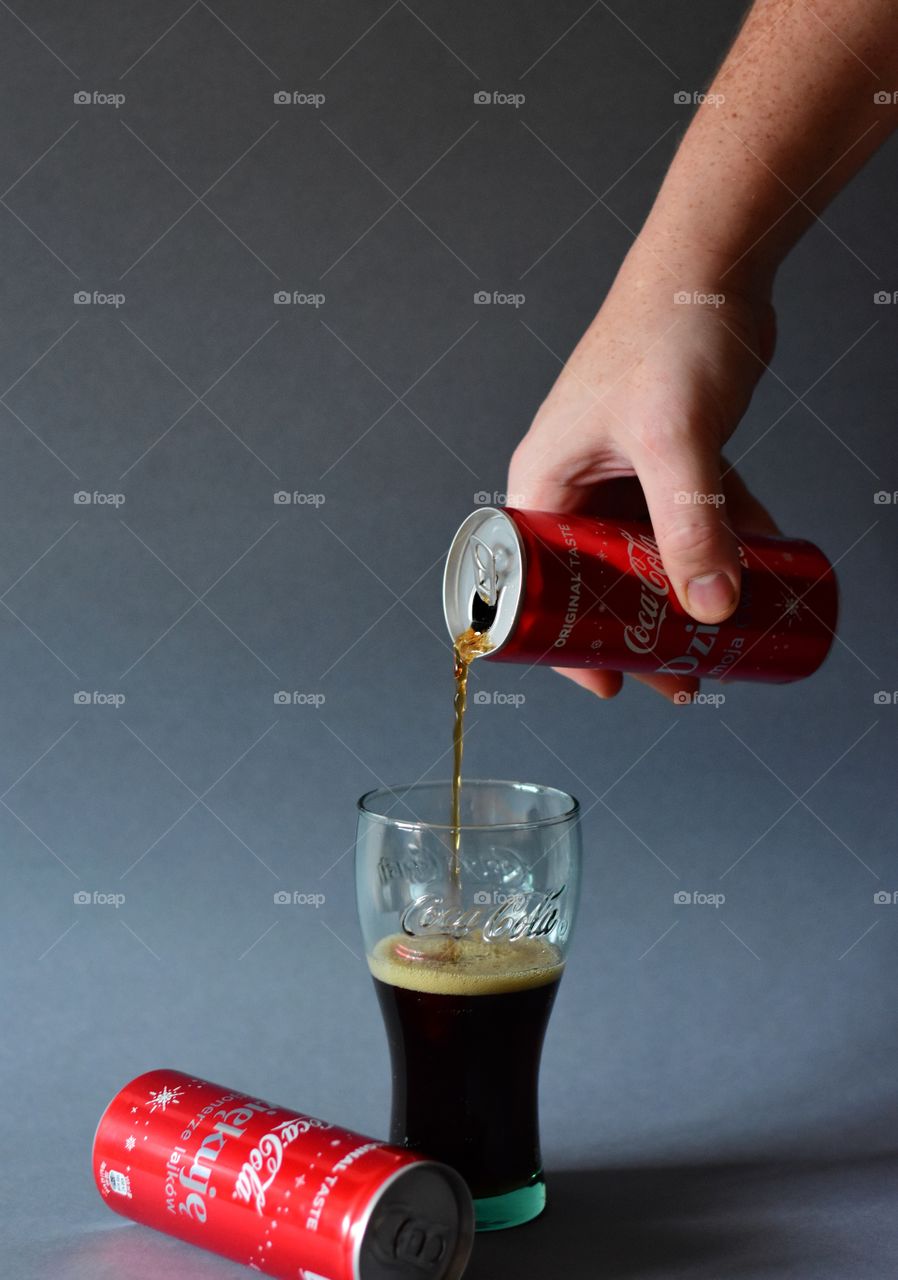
[469, 645]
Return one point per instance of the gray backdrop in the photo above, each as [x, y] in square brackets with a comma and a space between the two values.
[718, 1082]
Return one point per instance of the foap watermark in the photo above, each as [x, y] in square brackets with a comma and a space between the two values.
[683, 298]
[94, 98]
[683, 498]
[297, 698]
[297, 98]
[485, 298]
[286, 898]
[883, 698]
[885, 898]
[885, 97]
[692, 898]
[96, 899]
[96, 298]
[885, 298]
[497, 98]
[497, 898]
[83, 498]
[683, 699]
[284, 498]
[88, 698]
[295, 298]
[496, 698]
[683, 98]
[882, 498]
[484, 498]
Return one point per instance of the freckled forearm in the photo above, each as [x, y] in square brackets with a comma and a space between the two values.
[791, 116]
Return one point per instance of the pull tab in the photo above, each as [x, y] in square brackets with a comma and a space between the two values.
[486, 574]
[421, 1244]
[415, 1243]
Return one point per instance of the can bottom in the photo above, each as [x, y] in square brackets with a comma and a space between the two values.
[420, 1226]
[498, 1213]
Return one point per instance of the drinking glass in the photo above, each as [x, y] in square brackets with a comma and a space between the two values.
[466, 934]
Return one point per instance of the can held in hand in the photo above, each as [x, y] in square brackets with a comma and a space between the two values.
[579, 591]
[284, 1193]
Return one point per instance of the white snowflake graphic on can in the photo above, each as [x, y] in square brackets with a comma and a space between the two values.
[159, 1100]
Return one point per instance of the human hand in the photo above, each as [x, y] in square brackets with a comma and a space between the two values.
[652, 392]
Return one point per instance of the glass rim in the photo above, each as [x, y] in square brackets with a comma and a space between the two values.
[416, 824]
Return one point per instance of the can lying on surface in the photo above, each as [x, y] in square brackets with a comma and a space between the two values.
[579, 591]
[286, 1194]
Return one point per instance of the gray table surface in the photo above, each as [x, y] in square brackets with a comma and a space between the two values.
[824, 1220]
[719, 1083]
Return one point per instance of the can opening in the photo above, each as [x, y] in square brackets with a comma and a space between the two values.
[483, 615]
[483, 581]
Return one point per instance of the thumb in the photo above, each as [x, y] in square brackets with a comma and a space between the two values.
[687, 509]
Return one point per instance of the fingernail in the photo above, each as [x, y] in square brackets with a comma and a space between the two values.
[710, 594]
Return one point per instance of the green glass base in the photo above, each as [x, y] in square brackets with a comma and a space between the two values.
[497, 1213]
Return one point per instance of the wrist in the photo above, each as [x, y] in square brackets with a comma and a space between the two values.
[667, 265]
[678, 246]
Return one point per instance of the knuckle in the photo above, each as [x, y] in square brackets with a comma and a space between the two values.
[523, 469]
[535, 463]
[520, 459]
[690, 539]
[674, 430]
[662, 431]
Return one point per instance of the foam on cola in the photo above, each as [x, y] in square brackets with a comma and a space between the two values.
[441, 965]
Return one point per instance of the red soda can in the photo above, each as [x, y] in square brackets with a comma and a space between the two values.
[286, 1194]
[580, 591]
